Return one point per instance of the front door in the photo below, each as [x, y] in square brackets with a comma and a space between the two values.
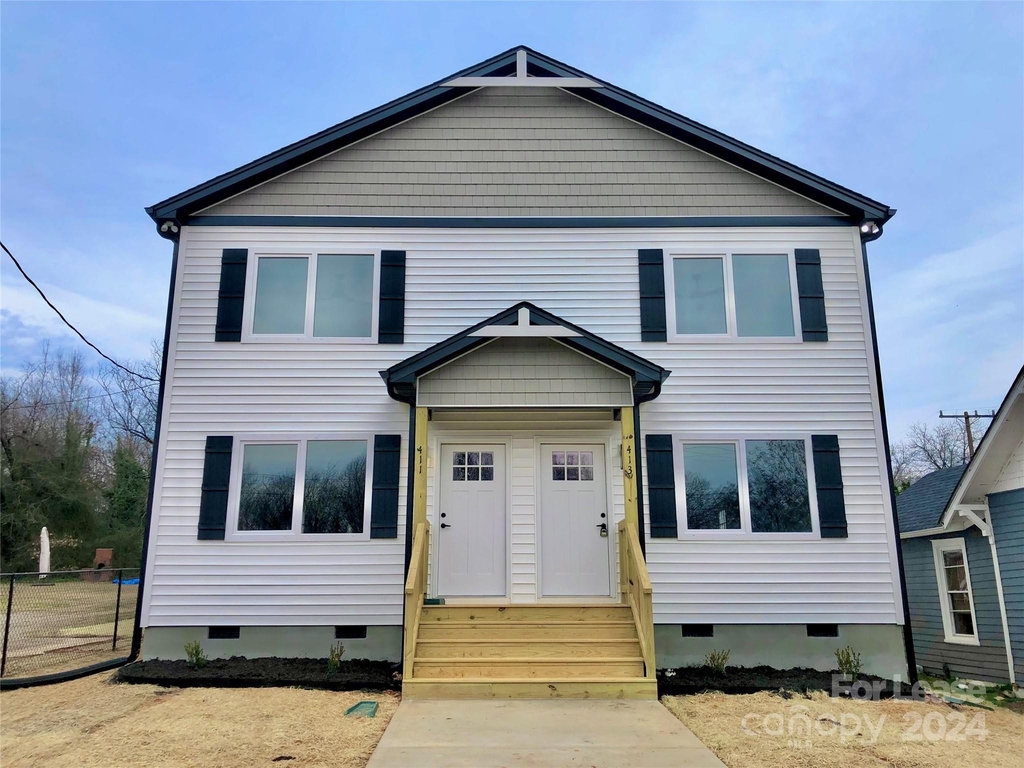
[471, 525]
[574, 525]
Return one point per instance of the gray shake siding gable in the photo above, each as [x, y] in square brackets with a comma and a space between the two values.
[985, 662]
[525, 372]
[519, 152]
[1007, 510]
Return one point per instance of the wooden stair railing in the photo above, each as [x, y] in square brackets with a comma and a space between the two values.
[635, 587]
[415, 592]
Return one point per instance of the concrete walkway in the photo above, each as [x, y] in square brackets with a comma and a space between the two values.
[539, 734]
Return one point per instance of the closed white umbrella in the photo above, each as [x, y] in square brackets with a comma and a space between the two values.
[44, 553]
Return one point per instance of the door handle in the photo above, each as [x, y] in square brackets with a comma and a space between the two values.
[445, 525]
[604, 528]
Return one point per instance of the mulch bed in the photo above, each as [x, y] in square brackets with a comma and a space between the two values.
[688, 680]
[240, 672]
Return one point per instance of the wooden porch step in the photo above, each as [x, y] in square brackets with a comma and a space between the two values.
[517, 613]
[511, 688]
[546, 630]
[524, 647]
[529, 668]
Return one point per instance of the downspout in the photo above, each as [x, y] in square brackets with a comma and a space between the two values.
[173, 234]
[867, 235]
[999, 593]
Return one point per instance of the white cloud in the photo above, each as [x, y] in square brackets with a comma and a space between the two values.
[951, 329]
[119, 331]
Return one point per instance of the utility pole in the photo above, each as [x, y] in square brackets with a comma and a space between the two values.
[967, 416]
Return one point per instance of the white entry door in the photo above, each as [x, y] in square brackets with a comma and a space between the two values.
[574, 525]
[470, 526]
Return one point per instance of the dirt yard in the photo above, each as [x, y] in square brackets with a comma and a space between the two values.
[65, 625]
[92, 722]
[765, 730]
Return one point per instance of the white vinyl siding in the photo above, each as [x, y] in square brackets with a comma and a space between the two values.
[454, 279]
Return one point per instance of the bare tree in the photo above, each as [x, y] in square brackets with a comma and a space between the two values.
[930, 447]
[131, 399]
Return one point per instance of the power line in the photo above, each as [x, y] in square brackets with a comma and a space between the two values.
[80, 399]
[49, 303]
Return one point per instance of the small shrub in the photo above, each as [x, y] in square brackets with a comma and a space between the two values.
[849, 661]
[947, 674]
[717, 661]
[196, 658]
[334, 657]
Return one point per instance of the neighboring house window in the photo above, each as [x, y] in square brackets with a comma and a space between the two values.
[305, 486]
[325, 296]
[746, 486]
[733, 295]
[957, 601]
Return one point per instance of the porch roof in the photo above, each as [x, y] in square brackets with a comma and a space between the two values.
[525, 319]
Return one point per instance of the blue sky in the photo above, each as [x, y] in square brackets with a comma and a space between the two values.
[106, 108]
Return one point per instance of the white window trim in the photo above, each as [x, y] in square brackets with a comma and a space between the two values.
[726, 255]
[232, 533]
[252, 272]
[745, 532]
[940, 546]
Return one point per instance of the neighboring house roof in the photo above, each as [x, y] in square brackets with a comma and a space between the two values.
[921, 505]
[647, 376]
[994, 450]
[856, 207]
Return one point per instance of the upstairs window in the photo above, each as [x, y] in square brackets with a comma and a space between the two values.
[733, 295]
[324, 296]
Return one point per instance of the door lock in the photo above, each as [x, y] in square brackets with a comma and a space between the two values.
[604, 530]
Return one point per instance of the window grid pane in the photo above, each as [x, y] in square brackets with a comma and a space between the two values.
[267, 493]
[764, 298]
[699, 286]
[777, 483]
[711, 486]
[957, 592]
[335, 486]
[343, 306]
[280, 295]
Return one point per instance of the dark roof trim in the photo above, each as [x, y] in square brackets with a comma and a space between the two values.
[851, 204]
[401, 378]
[576, 222]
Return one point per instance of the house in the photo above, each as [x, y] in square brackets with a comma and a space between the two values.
[962, 531]
[530, 384]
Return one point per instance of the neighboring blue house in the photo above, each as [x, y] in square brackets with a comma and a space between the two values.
[962, 532]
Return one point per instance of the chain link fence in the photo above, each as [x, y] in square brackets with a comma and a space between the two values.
[66, 620]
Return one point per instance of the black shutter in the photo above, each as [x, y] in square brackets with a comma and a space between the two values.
[812, 294]
[213, 504]
[652, 295]
[391, 318]
[661, 486]
[231, 298]
[828, 477]
[384, 504]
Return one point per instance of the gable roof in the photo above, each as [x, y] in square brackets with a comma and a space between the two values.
[858, 208]
[921, 505]
[994, 450]
[647, 376]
